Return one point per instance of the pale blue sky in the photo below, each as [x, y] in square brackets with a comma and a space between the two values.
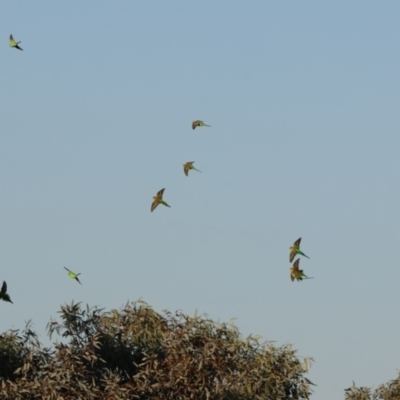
[303, 99]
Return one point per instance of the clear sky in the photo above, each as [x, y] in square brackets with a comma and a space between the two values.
[303, 100]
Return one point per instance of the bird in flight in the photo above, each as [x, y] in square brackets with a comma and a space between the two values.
[197, 123]
[3, 293]
[188, 166]
[296, 273]
[13, 43]
[295, 249]
[73, 275]
[157, 199]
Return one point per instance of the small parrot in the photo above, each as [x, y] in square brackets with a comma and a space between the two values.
[295, 249]
[3, 293]
[296, 273]
[188, 166]
[73, 275]
[157, 199]
[197, 123]
[13, 43]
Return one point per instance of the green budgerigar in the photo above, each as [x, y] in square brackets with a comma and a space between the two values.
[188, 166]
[3, 293]
[14, 44]
[158, 199]
[296, 273]
[295, 249]
[73, 275]
[197, 123]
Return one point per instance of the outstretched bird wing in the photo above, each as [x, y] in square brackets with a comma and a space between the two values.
[4, 288]
[154, 205]
[297, 243]
[160, 193]
[186, 169]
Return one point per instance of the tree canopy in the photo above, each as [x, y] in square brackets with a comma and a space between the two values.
[137, 353]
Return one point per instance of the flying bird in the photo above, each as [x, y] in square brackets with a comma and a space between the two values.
[13, 43]
[157, 199]
[188, 166]
[3, 293]
[73, 275]
[296, 273]
[197, 123]
[295, 249]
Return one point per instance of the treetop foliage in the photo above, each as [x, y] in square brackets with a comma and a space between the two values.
[388, 391]
[137, 353]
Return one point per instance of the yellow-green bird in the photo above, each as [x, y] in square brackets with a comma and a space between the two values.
[188, 166]
[295, 249]
[158, 199]
[197, 123]
[13, 43]
[3, 293]
[73, 275]
[296, 273]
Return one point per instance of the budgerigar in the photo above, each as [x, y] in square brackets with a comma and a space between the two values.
[296, 273]
[188, 166]
[158, 199]
[14, 44]
[295, 249]
[197, 123]
[3, 293]
[73, 275]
